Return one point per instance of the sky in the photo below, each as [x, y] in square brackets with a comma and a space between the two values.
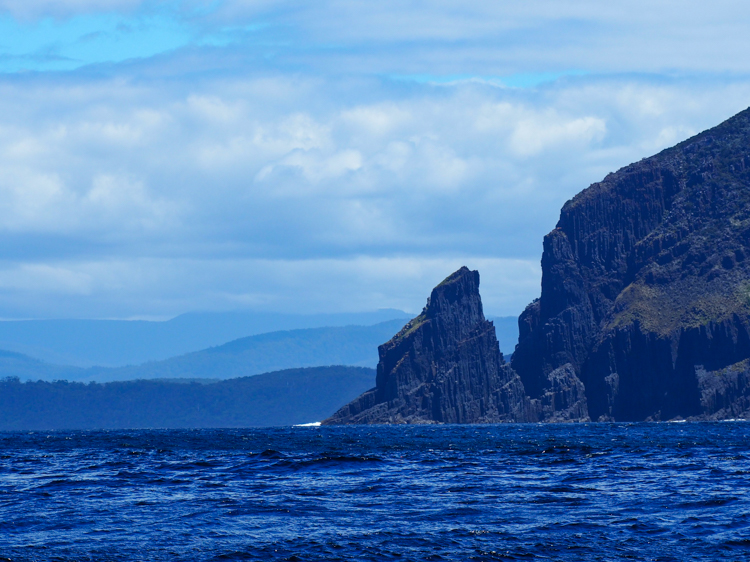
[161, 157]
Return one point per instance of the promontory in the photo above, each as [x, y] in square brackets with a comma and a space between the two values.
[644, 311]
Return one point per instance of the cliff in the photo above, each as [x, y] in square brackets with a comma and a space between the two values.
[444, 366]
[646, 286]
[644, 311]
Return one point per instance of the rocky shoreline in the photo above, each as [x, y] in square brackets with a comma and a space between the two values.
[644, 312]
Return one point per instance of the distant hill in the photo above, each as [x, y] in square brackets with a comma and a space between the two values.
[27, 368]
[116, 343]
[348, 345]
[272, 399]
[506, 328]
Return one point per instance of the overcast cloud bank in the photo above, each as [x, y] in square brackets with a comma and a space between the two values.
[350, 168]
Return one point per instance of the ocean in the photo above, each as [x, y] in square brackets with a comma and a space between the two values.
[568, 492]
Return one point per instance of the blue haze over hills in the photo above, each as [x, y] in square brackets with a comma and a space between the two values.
[116, 343]
[193, 345]
[274, 378]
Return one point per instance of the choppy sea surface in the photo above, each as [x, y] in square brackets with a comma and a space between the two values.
[506, 492]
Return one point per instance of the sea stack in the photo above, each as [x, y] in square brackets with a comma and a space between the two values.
[644, 311]
[444, 366]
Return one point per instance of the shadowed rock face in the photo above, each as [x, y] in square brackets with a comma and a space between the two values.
[444, 366]
[644, 312]
[725, 393]
[646, 284]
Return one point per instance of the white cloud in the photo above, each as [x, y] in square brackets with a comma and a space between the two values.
[439, 38]
[500, 38]
[533, 135]
[32, 201]
[32, 9]
[116, 287]
[166, 196]
[314, 166]
[52, 281]
[114, 199]
[375, 120]
[269, 161]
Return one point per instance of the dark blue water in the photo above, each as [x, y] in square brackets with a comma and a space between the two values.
[509, 492]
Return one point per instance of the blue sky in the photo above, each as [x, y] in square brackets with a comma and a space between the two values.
[162, 157]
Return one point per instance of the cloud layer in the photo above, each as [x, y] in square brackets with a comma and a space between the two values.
[443, 37]
[345, 156]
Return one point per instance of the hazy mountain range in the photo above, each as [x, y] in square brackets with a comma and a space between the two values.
[87, 340]
[115, 343]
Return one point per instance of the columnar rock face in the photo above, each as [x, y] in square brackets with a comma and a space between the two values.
[725, 393]
[646, 286]
[444, 366]
[644, 312]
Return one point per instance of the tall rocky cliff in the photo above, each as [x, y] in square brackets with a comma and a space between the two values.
[644, 312]
[444, 366]
[646, 286]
